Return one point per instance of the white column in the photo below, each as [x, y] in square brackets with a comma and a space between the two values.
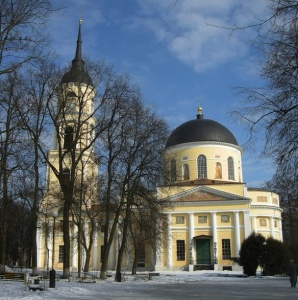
[272, 226]
[158, 255]
[74, 247]
[191, 235]
[254, 220]
[247, 228]
[280, 230]
[191, 232]
[95, 249]
[214, 227]
[214, 234]
[169, 236]
[237, 233]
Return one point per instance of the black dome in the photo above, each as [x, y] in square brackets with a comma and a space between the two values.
[77, 75]
[201, 130]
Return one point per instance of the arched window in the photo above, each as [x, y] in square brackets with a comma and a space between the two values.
[231, 174]
[68, 137]
[202, 166]
[173, 170]
[185, 172]
[71, 94]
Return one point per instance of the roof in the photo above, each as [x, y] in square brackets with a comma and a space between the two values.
[201, 130]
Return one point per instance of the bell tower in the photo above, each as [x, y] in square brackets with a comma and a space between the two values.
[72, 168]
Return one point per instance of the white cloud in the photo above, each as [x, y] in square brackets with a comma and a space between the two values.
[193, 30]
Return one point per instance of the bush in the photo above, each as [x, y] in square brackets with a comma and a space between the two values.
[270, 255]
[251, 253]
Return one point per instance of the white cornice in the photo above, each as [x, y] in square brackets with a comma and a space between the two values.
[203, 143]
[266, 207]
[211, 202]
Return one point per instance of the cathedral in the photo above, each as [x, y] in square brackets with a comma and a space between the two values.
[212, 208]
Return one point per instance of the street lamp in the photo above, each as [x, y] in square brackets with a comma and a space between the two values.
[53, 272]
[264, 259]
[215, 250]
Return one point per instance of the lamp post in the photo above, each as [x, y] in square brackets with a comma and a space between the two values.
[118, 273]
[215, 251]
[53, 272]
[264, 258]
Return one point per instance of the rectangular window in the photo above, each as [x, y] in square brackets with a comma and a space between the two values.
[225, 218]
[180, 220]
[180, 249]
[275, 223]
[226, 248]
[202, 219]
[141, 256]
[263, 222]
[61, 253]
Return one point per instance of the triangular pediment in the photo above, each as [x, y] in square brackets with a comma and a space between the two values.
[203, 193]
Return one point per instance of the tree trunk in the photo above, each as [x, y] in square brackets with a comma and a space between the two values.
[87, 261]
[124, 239]
[3, 235]
[34, 244]
[135, 263]
[66, 238]
[4, 210]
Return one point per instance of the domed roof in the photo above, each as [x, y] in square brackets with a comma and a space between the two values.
[201, 130]
[77, 75]
[77, 72]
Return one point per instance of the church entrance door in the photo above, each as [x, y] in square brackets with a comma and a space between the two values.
[203, 251]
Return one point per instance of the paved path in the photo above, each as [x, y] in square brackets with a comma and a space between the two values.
[267, 288]
[203, 288]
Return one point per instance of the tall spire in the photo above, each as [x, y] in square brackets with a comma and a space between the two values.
[77, 72]
[78, 62]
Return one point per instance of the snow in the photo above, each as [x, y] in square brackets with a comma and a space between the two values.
[107, 289]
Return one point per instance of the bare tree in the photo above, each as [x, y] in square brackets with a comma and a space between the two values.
[284, 182]
[130, 161]
[11, 146]
[86, 216]
[146, 226]
[37, 88]
[272, 108]
[22, 32]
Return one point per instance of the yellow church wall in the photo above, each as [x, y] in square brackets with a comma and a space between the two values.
[259, 196]
[214, 152]
[225, 230]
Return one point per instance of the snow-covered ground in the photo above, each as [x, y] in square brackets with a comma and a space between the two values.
[109, 289]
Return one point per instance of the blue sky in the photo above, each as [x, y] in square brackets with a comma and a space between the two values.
[170, 51]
